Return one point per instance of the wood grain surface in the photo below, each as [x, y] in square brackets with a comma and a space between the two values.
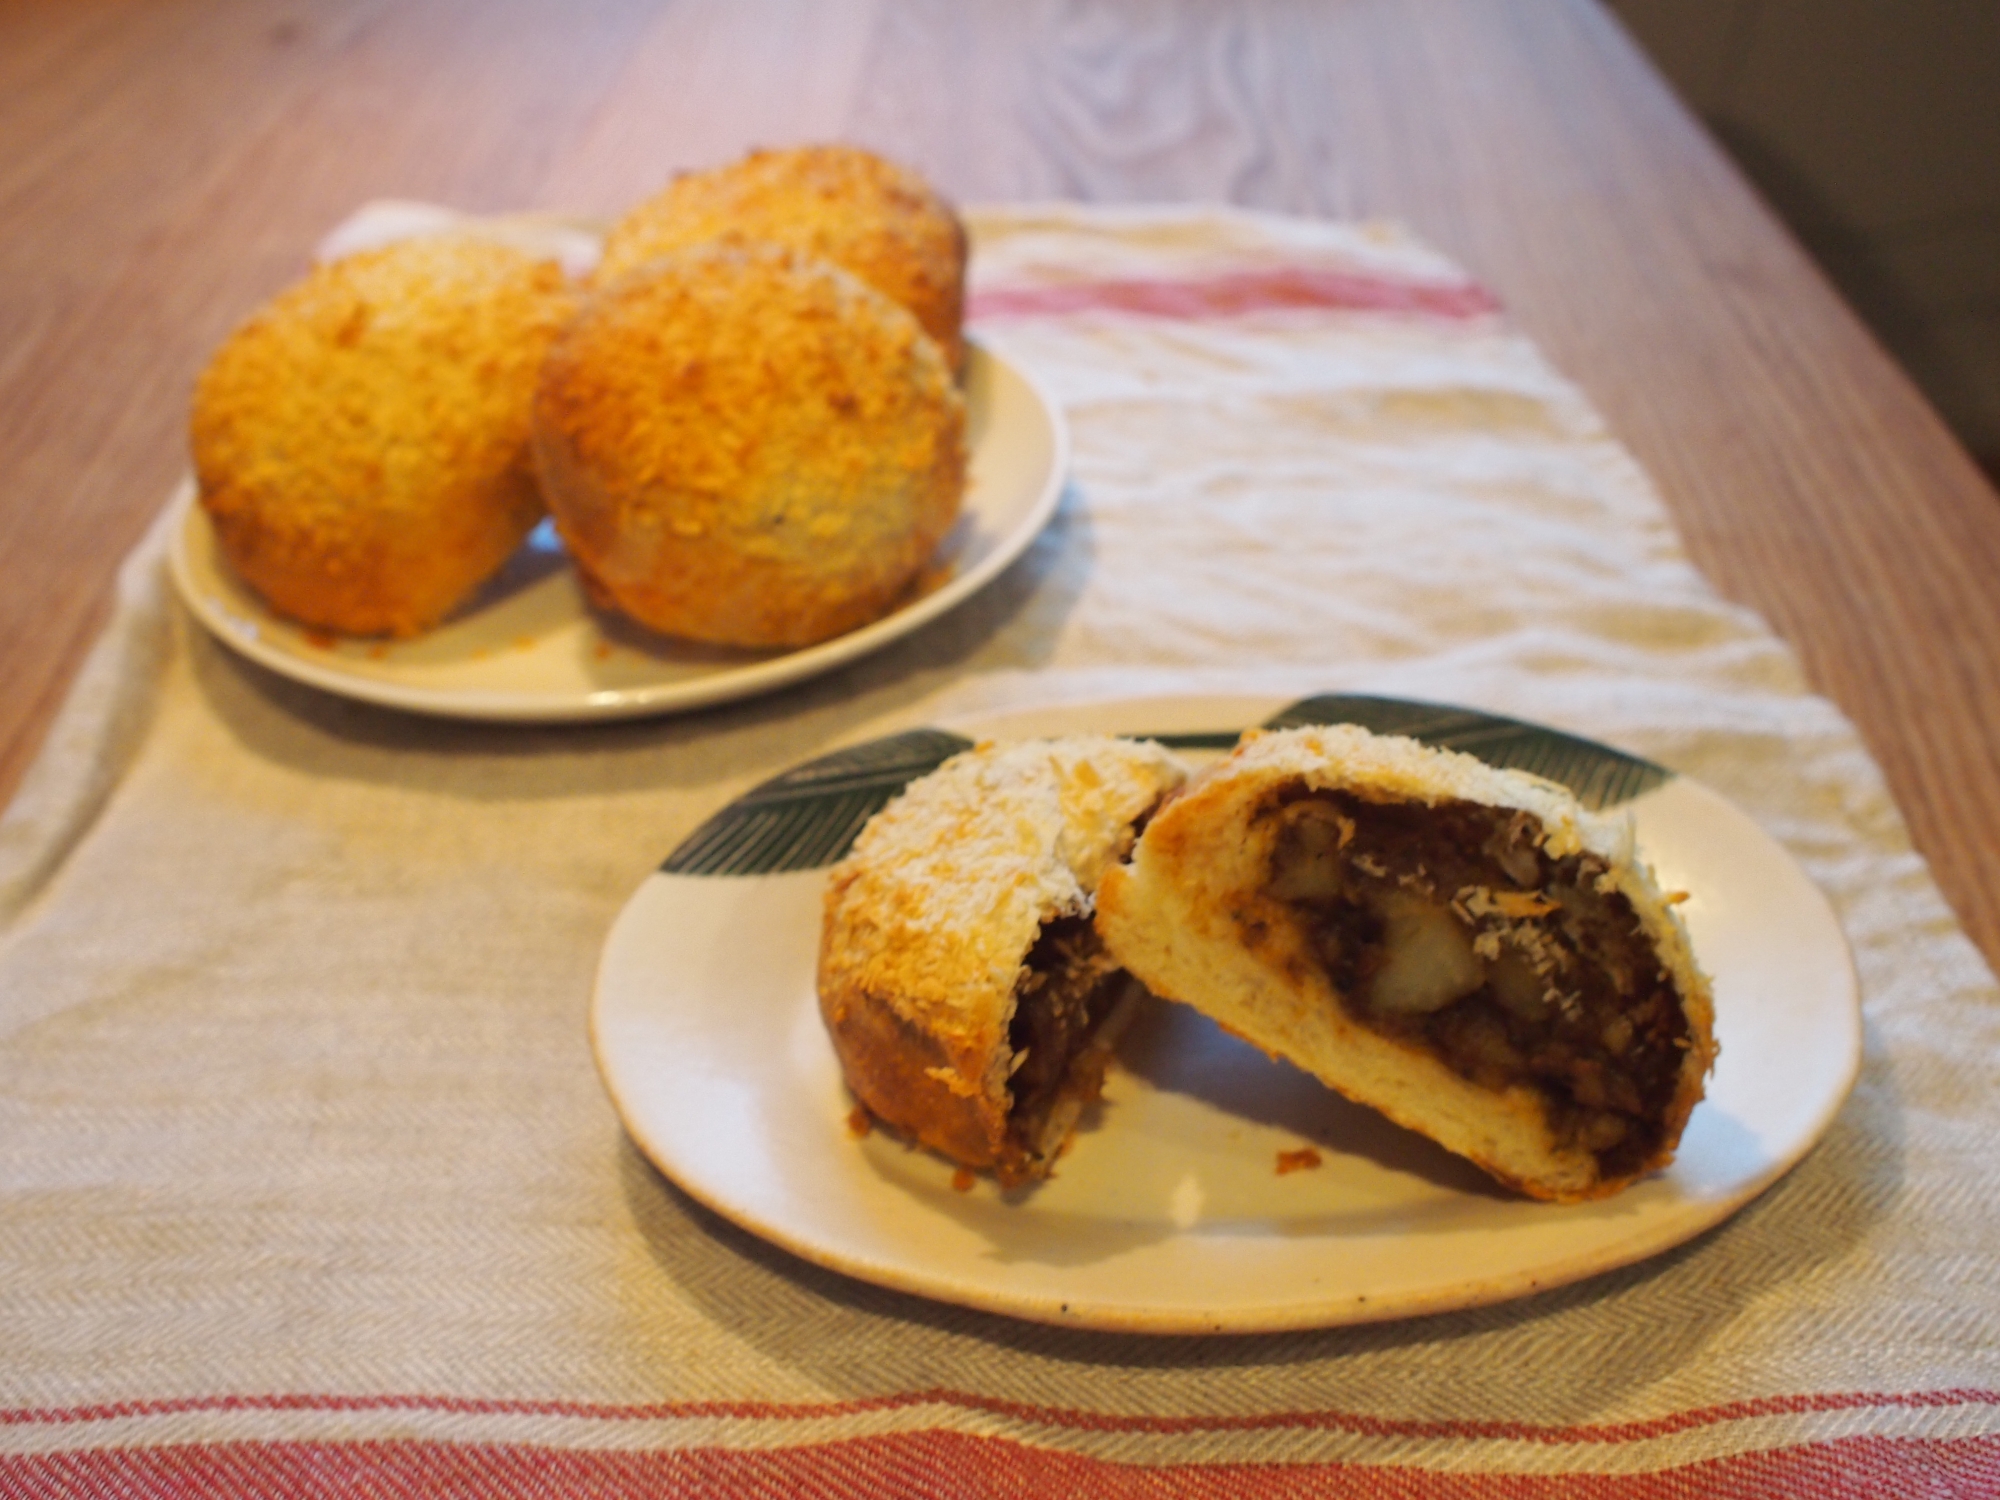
[165, 164]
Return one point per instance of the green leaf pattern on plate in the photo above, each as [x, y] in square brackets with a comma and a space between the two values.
[1599, 776]
[809, 817]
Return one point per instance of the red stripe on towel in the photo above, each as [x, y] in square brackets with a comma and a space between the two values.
[1235, 293]
[1059, 1418]
[952, 1464]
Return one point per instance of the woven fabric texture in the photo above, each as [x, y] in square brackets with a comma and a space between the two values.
[302, 1149]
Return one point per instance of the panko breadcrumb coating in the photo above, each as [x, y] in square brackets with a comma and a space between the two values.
[362, 442]
[869, 216]
[748, 447]
[959, 979]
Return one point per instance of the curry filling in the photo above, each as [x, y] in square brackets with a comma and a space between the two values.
[1448, 927]
[1066, 1013]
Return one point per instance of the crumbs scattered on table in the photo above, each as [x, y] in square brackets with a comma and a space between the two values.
[379, 651]
[602, 651]
[962, 1180]
[320, 640]
[859, 1122]
[1305, 1159]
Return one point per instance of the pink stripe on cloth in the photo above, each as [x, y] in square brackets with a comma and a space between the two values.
[946, 1442]
[1061, 1418]
[1232, 294]
[940, 1463]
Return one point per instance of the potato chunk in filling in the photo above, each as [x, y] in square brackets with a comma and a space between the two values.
[1450, 927]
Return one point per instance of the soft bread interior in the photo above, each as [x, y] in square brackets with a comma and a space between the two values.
[1481, 972]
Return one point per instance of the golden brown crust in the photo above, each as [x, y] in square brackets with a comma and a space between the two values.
[1193, 917]
[930, 921]
[904, 1075]
[362, 442]
[880, 221]
[745, 446]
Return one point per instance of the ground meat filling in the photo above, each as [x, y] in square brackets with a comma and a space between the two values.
[1449, 923]
[1068, 989]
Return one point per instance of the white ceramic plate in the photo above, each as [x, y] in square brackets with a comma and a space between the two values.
[529, 647]
[1168, 1214]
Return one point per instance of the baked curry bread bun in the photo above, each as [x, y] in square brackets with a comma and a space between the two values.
[1467, 950]
[361, 443]
[744, 446]
[880, 221]
[968, 998]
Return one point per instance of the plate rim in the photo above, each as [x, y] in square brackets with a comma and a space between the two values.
[1642, 1243]
[723, 686]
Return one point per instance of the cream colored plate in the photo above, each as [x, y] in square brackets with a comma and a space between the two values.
[530, 647]
[1169, 1214]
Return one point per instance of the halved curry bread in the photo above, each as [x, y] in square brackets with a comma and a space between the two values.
[967, 994]
[1467, 950]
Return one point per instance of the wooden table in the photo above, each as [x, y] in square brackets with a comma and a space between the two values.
[169, 163]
